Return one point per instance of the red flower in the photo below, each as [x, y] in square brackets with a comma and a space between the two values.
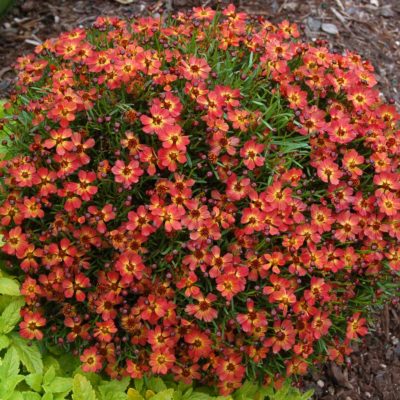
[29, 328]
[321, 324]
[127, 174]
[104, 331]
[200, 344]
[284, 336]
[130, 266]
[203, 310]
[329, 172]
[251, 151]
[159, 121]
[195, 69]
[161, 361]
[171, 157]
[356, 327]
[92, 361]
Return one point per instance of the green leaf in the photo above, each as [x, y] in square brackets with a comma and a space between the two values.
[156, 384]
[112, 388]
[82, 389]
[34, 381]
[117, 396]
[94, 379]
[4, 342]
[9, 286]
[9, 365]
[30, 355]
[16, 395]
[199, 396]
[31, 396]
[10, 316]
[49, 361]
[60, 385]
[48, 396]
[67, 363]
[7, 387]
[49, 376]
[138, 384]
[248, 389]
[133, 394]
[163, 395]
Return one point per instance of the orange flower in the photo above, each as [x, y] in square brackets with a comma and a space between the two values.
[161, 361]
[284, 336]
[356, 327]
[92, 361]
[329, 172]
[203, 309]
[29, 328]
[15, 241]
[195, 69]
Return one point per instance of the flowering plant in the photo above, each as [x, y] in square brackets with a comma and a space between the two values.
[206, 197]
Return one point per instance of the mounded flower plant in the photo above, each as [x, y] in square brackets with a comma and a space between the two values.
[205, 197]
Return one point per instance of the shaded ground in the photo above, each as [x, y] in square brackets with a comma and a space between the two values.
[368, 27]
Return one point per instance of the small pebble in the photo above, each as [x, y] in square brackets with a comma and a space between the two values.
[330, 28]
[320, 383]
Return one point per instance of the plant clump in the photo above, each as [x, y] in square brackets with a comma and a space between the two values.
[206, 197]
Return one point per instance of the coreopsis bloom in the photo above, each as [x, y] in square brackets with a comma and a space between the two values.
[203, 309]
[30, 327]
[356, 327]
[284, 336]
[251, 152]
[195, 69]
[329, 172]
[127, 174]
[161, 361]
[92, 361]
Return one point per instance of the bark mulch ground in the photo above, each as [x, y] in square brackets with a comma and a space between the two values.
[368, 27]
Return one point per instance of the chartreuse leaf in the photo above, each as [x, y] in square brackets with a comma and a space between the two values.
[31, 396]
[198, 396]
[30, 355]
[139, 384]
[82, 389]
[34, 381]
[9, 374]
[155, 384]
[114, 390]
[166, 394]
[49, 376]
[9, 366]
[4, 342]
[10, 316]
[9, 286]
[49, 361]
[94, 379]
[134, 394]
[60, 385]
[247, 390]
[15, 395]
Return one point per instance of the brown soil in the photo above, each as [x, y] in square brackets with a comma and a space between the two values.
[368, 27]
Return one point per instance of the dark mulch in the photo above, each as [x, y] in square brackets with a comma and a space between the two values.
[368, 27]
